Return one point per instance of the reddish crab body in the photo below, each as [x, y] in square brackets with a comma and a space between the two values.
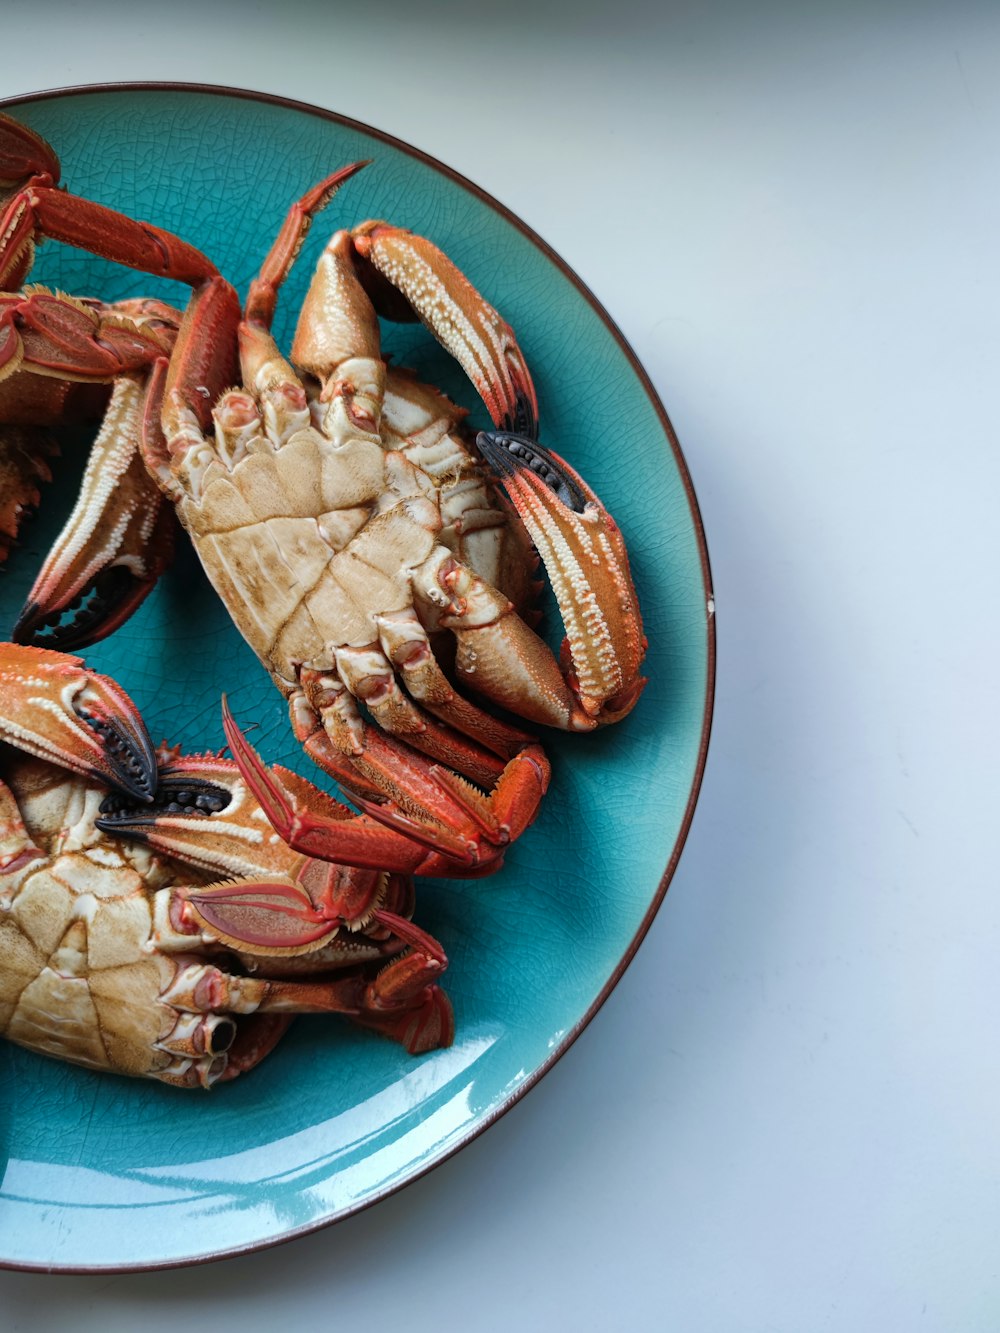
[350, 539]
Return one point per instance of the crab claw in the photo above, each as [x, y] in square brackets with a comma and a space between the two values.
[204, 814]
[116, 543]
[584, 555]
[395, 261]
[53, 707]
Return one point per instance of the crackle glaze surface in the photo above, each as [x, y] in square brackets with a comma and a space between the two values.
[335, 1118]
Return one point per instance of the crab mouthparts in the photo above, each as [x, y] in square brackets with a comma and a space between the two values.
[506, 452]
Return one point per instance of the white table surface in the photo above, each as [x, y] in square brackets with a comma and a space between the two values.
[785, 1117]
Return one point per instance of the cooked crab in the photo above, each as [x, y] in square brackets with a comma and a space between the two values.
[351, 530]
[347, 542]
[124, 955]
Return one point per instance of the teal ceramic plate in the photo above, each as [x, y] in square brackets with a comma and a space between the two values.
[100, 1172]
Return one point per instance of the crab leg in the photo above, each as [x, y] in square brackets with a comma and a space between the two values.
[53, 335]
[29, 173]
[51, 706]
[402, 1001]
[117, 542]
[119, 537]
[426, 821]
[277, 900]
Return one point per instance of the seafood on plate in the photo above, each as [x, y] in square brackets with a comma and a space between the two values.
[151, 921]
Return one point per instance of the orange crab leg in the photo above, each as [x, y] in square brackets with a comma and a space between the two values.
[263, 293]
[51, 334]
[108, 233]
[119, 537]
[427, 803]
[187, 385]
[402, 1001]
[205, 815]
[357, 840]
[115, 545]
[585, 556]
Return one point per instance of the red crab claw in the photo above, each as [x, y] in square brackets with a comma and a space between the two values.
[53, 707]
[205, 814]
[584, 554]
[119, 537]
[34, 206]
[115, 545]
[396, 263]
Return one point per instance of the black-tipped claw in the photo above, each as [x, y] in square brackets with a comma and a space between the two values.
[507, 451]
[183, 795]
[128, 753]
[103, 605]
[523, 421]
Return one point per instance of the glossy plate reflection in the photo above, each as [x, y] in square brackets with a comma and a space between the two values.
[335, 1118]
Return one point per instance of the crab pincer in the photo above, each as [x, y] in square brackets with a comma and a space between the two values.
[58, 710]
[585, 557]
